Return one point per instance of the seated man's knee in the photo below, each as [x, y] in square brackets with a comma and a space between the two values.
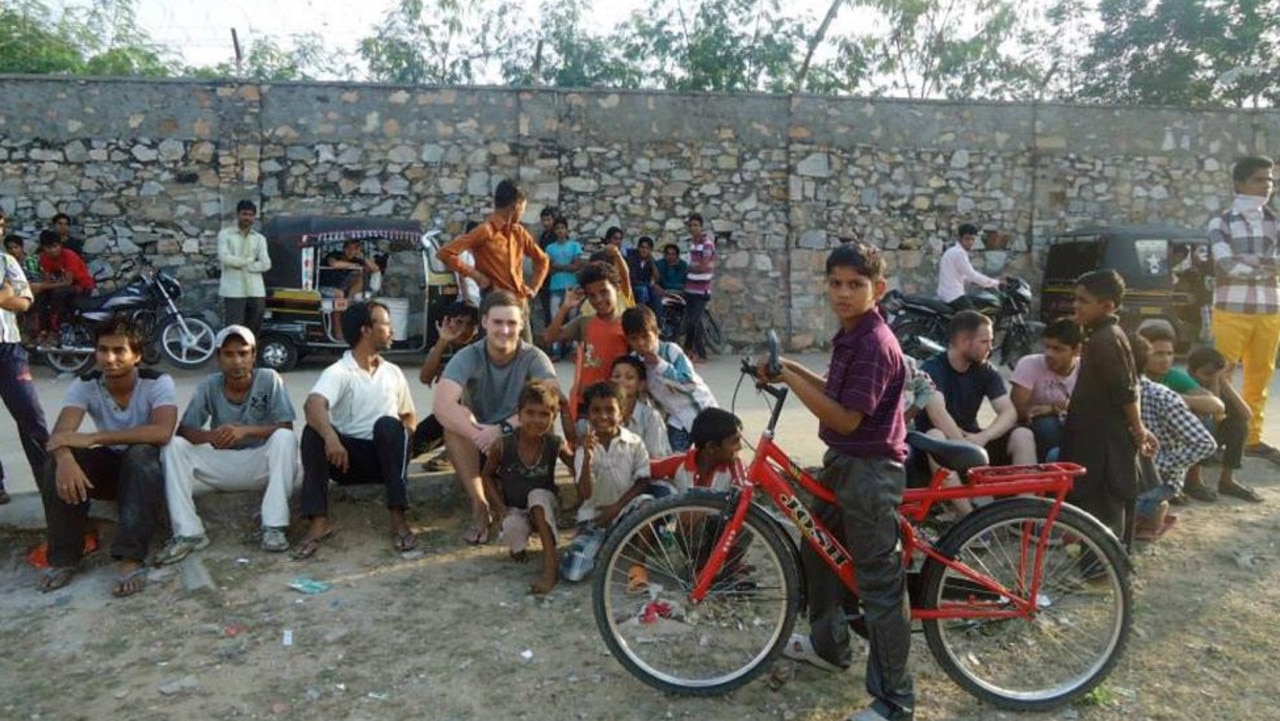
[1021, 437]
[141, 453]
[389, 426]
[283, 437]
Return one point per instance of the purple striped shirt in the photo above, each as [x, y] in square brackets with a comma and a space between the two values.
[867, 374]
[702, 265]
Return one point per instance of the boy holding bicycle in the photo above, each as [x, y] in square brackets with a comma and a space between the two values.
[859, 409]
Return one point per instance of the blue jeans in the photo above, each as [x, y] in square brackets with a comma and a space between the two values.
[18, 392]
[1147, 503]
[679, 439]
[1048, 432]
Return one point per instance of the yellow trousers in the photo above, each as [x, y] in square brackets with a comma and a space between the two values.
[1250, 339]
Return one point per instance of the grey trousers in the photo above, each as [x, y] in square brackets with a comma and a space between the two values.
[244, 311]
[869, 491]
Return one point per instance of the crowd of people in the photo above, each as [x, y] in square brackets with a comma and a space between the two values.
[637, 422]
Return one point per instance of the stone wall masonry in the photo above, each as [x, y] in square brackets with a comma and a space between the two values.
[157, 167]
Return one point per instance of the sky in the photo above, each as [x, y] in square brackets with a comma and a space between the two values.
[200, 30]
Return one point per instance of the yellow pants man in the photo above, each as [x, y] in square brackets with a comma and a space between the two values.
[1251, 339]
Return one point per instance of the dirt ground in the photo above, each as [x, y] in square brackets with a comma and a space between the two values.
[455, 635]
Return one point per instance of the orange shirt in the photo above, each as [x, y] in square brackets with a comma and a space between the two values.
[600, 343]
[499, 253]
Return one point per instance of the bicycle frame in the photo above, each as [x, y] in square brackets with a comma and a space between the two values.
[775, 473]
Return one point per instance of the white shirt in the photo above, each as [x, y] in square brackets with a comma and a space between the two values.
[244, 259]
[357, 398]
[955, 270]
[614, 470]
[10, 331]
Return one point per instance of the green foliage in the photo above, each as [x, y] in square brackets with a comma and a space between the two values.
[266, 60]
[1183, 52]
[436, 42]
[100, 39]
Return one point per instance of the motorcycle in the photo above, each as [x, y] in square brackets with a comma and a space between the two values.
[185, 340]
[920, 322]
[673, 324]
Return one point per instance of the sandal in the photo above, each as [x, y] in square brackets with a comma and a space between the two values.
[403, 542]
[477, 535]
[51, 578]
[1200, 492]
[130, 583]
[309, 546]
[800, 648]
[1154, 534]
[1241, 491]
[637, 579]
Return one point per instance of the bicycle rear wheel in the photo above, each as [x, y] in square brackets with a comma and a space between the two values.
[651, 625]
[1065, 646]
[712, 334]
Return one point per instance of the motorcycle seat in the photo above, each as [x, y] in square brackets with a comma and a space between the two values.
[958, 456]
[933, 304]
[86, 302]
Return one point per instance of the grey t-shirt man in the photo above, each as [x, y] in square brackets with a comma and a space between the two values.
[152, 389]
[267, 404]
[492, 391]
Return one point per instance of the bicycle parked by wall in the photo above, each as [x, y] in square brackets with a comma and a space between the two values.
[673, 324]
[1026, 603]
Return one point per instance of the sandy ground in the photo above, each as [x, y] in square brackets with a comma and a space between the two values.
[454, 634]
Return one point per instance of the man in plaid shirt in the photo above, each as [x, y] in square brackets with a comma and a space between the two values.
[1246, 300]
[1184, 440]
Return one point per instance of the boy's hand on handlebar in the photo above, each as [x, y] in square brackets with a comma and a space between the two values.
[764, 376]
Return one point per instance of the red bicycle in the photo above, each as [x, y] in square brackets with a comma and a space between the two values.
[1026, 603]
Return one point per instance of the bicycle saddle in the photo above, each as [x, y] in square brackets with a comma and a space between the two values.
[958, 456]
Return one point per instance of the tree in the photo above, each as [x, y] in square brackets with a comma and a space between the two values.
[561, 51]
[439, 42]
[1182, 52]
[266, 60]
[100, 39]
[932, 48]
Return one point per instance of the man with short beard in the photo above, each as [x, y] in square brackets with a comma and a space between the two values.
[242, 251]
[359, 419]
[249, 444]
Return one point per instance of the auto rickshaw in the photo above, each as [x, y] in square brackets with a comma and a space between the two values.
[1168, 271]
[304, 300]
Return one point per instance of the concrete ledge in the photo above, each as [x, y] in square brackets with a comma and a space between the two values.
[231, 510]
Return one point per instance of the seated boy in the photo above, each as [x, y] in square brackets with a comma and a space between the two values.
[1183, 442]
[1230, 430]
[611, 467]
[1043, 383]
[674, 385]
[859, 409]
[1159, 368]
[712, 462]
[520, 477]
[134, 411]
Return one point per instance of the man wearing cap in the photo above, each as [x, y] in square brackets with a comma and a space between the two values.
[242, 252]
[236, 435]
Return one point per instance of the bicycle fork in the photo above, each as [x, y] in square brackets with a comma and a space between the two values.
[739, 501]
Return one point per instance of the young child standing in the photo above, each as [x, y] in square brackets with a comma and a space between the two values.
[674, 385]
[1104, 430]
[600, 335]
[566, 260]
[612, 472]
[859, 410]
[638, 415]
[520, 478]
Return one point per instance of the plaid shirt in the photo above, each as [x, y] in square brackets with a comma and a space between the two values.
[1184, 441]
[1245, 287]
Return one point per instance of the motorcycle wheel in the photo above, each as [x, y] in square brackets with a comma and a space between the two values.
[189, 348]
[278, 353]
[75, 362]
[713, 335]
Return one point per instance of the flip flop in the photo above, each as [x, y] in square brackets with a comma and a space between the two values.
[1241, 491]
[121, 590]
[477, 535]
[402, 542]
[1154, 534]
[800, 648]
[51, 578]
[309, 546]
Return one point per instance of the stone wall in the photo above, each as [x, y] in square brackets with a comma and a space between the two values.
[157, 167]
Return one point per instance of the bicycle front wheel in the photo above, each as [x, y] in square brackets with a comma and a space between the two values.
[647, 571]
[1047, 655]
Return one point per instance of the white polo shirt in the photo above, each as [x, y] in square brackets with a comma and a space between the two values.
[357, 398]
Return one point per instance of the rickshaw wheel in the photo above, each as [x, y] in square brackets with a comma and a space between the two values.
[277, 352]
